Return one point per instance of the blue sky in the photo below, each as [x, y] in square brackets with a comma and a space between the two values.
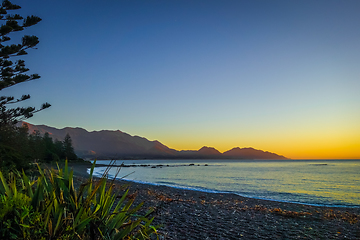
[281, 76]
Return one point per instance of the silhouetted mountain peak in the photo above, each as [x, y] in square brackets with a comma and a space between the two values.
[208, 151]
[107, 144]
[251, 153]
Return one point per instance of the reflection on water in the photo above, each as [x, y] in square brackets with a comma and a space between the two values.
[312, 182]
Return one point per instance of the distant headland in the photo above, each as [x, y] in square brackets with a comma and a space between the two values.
[107, 144]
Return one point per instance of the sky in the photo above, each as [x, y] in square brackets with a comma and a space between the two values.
[281, 76]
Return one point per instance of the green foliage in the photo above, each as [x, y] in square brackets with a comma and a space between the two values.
[12, 73]
[10, 159]
[50, 207]
[14, 144]
[21, 149]
[47, 150]
[14, 148]
[68, 148]
[37, 146]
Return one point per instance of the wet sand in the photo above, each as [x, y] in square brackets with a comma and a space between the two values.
[187, 214]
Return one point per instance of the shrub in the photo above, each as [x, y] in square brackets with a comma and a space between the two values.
[50, 207]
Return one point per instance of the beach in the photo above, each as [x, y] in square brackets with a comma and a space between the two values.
[188, 214]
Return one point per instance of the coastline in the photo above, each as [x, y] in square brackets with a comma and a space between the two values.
[190, 214]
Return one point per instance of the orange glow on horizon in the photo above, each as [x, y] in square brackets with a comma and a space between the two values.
[299, 147]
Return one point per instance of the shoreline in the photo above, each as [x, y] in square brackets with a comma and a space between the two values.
[206, 190]
[191, 214]
[233, 193]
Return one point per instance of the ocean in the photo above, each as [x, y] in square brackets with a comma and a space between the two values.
[334, 183]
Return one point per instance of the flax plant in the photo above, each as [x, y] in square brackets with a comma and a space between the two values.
[50, 207]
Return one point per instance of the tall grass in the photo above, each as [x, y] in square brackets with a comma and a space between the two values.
[50, 207]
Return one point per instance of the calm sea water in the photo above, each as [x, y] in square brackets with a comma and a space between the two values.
[314, 182]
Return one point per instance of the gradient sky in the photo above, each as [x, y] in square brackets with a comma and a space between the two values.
[281, 76]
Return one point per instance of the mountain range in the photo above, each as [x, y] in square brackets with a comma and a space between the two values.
[107, 144]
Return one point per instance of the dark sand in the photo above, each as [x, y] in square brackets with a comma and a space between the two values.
[187, 214]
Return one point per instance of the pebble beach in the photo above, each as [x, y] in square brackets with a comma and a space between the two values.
[188, 214]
